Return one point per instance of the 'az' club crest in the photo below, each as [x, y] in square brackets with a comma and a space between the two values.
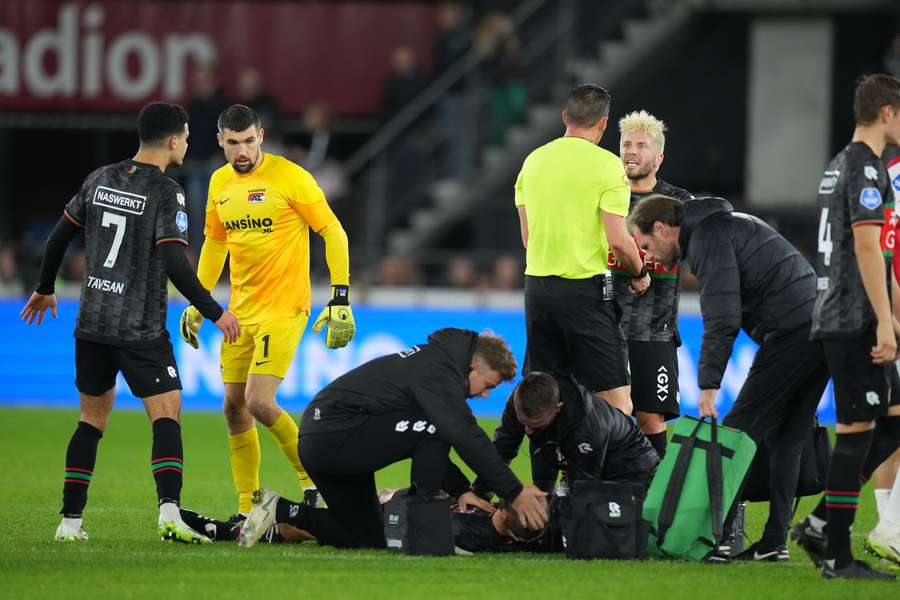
[256, 196]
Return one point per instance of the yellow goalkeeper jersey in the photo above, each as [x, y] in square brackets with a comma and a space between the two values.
[264, 218]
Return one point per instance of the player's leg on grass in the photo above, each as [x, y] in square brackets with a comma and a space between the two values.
[883, 480]
[243, 443]
[81, 455]
[167, 464]
[260, 396]
[884, 540]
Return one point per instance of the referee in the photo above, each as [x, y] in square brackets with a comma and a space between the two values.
[572, 197]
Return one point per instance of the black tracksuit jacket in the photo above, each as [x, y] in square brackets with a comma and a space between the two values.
[431, 379]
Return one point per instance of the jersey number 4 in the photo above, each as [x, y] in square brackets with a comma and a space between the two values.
[825, 244]
[119, 222]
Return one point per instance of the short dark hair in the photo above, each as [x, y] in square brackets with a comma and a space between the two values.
[872, 92]
[536, 395]
[523, 533]
[238, 117]
[159, 120]
[587, 104]
[653, 208]
[495, 352]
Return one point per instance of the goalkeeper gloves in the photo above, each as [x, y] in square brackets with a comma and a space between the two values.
[338, 317]
[190, 325]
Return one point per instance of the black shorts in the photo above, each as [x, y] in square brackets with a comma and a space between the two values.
[654, 377]
[148, 370]
[573, 327]
[861, 388]
[895, 383]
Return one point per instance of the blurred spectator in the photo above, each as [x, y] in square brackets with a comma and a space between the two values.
[461, 273]
[501, 48]
[404, 82]
[456, 107]
[397, 271]
[11, 286]
[203, 155]
[251, 92]
[508, 273]
[314, 151]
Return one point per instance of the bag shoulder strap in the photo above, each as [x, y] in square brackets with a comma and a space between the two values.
[676, 484]
[714, 481]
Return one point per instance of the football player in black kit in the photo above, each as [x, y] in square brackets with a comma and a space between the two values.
[853, 322]
[649, 321]
[135, 227]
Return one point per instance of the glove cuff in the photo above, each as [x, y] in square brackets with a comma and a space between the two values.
[340, 295]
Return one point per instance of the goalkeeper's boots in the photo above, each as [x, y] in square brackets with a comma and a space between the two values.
[855, 569]
[172, 527]
[70, 530]
[758, 552]
[260, 519]
[884, 542]
[811, 540]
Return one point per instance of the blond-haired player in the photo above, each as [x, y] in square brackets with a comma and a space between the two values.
[259, 212]
[649, 321]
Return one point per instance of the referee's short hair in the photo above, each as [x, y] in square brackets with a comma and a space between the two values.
[536, 395]
[656, 207]
[872, 92]
[238, 117]
[158, 121]
[587, 104]
[495, 352]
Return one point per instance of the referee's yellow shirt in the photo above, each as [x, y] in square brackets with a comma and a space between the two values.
[563, 186]
[264, 217]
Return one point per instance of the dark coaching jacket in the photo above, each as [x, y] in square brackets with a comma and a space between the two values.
[430, 378]
[596, 440]
[750, 278]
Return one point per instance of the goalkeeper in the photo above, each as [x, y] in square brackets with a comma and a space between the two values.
[259, 212]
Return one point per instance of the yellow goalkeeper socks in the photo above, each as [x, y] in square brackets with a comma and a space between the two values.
[286, 436]
[245, 460]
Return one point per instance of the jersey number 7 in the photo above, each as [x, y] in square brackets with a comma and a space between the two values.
[119, 222]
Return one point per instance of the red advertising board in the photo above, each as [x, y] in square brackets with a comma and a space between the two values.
[106, 55]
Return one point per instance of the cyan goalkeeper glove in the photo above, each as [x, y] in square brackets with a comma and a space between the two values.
[338, 317]
[190, 325]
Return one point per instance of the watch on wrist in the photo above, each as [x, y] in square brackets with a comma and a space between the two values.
[641, 274]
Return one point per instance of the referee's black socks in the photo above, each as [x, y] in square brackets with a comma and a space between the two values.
[80, 458]
[167, 460]
[658, 441]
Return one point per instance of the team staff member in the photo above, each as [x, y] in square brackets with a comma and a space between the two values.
[650, 321]
[752, 278]
[260, 210]
[853, 323]
[568, 429]
[135, 225]
[572, 198]
[410, 404]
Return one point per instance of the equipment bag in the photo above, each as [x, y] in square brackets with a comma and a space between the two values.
[602, 519]
[813, 467]
[694, 488]
[417, 524]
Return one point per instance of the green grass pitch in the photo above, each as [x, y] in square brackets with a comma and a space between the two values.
[125, 559]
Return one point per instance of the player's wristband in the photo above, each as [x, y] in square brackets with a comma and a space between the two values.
[340, 295]
[641, 274]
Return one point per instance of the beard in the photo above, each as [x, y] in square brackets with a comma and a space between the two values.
[245, 167]
[642, 171]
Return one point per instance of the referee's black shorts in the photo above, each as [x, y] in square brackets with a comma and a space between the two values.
[573, 327]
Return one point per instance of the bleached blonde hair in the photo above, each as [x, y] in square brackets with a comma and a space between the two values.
[641, 120]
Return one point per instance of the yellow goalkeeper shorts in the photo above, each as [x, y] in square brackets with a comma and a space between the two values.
[266, 348]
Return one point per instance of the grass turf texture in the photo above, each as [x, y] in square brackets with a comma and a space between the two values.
[125, 559]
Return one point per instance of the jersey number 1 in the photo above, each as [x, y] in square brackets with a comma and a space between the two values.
[825, 244]
[117, 221]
